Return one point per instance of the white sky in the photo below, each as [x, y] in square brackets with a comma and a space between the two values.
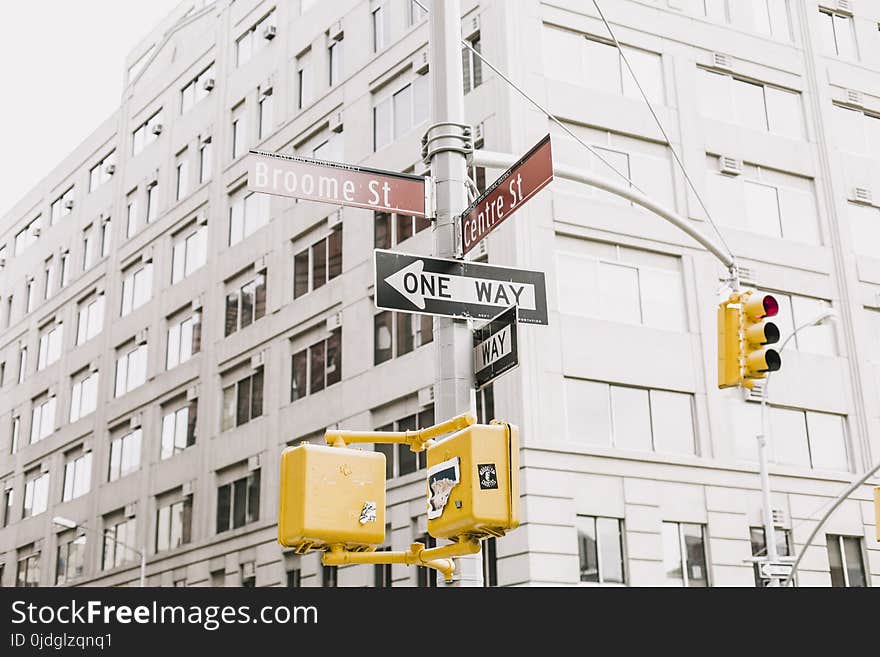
[61, 69]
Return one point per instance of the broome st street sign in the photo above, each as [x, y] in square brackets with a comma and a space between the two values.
[514, 187]
[457, 288]
[342, 184]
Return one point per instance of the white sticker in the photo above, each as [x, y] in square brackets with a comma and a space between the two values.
[368, 513]
[442, 478]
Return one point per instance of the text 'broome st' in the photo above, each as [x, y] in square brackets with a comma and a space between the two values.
[341, 184]
[457, 288]
[514, 187]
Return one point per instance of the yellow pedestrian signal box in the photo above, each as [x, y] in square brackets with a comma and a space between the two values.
[331, 495]
[473, 482]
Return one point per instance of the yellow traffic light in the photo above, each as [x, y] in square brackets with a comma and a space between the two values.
[743, 336]
[473, 482]
[758, 359]
[331, 496]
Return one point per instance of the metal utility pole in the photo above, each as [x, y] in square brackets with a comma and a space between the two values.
[446, 145]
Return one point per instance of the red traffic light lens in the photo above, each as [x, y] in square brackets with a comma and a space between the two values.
[771, 305]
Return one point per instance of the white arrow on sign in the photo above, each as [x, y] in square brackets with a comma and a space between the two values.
[416, 285]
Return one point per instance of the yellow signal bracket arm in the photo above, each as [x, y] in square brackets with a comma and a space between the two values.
[417, 440]
[438, 558]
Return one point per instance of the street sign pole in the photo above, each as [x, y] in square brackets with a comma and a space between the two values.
[454, 361]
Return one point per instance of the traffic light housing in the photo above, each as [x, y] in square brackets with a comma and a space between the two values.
[331, 496]
[743, 336]
[473, 482]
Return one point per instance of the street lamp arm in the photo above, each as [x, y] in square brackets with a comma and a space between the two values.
[483, 158]
[837, 502]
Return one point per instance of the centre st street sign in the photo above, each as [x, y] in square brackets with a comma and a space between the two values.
[342, 184]
[514, 187]
[495, 348]
[457, 288]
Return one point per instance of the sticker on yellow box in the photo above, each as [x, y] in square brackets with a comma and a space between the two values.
[442, 478]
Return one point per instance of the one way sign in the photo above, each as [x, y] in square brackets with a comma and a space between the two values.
[495, 348]
[457, 288]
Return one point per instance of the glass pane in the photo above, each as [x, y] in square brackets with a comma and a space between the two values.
[815, 339]
[167, 448]
[253, 504]
[865, 228]
[672, 422]
[404, 227]
[382, 230]
[223, 507]
[632, 418]
[298, 384]
[382, 124]
[649, 72]
[319, 264]
[835, 561]
[405, 335]
[749, 100]
[587, 549]
[788, 437]
[619, 293]
[662, 299]
[257, 394]
[827, 441]
[759, 545]
[402, 111]
[843, 32]
[239, 502]
[799, 218]
[243, 402]
[229, 405]
[382, 337]
[186, 340]
[826, 31]
[180, 428]
[563, 52]
[247, 303]
[672, 554]
[588, 412]
[602, 65]
[172, 357]
[852, 552]
[696, 555]
[300, 274]
[762, 209]
[334, 249]
[715, 96]
[610, 547]
[406, 459]
[388, 451]
[334, 357]
[317, 368]
[785, 113]
[849, 130]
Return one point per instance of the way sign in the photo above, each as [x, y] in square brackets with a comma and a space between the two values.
[495, 348]
[332, 182]
[518, 184]
[457, 288]
[769, 569]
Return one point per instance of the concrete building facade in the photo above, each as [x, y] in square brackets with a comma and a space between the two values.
[164, 335]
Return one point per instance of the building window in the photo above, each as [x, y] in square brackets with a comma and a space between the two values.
[61, 207]
[83, 395]
[131, 369]
[77, 477]
[472, 66]
[771, 17]
[490, 562]
[42, 419]
[22, 364]
[334, 62]
[30, 295]
[197, 89]
[684, 554]
[48, 277]
[246, 305]
[205, 160]
[101, 172]
[28, 235]
[400, 459]
[36, 494]
[390, 230]
[600, 547]
[137, 287]
[317, 264]
[855, 131]
[845, 560]
[751, 104]
[397, 113]
[381, 28]
[146, 133]
[179, 429]
[304, 82]
[264, 109]
[238, 502]
[184, 340]
[90, 319]
[247, 213]
[16, 432]
[182, 178]
[118, 538]
[795, 310]
[28, 573]
[571, 57]
[255, 39]
[765, 202]
[416, 14]
[872, 315]
[838, 34]
[8, 503]
[90, 247]
[174, 524]
[131, 214]
[106, 237]
[759, 546]
[64, 266]
[51, 343]
[317, 367]
[239, 130]
[70, 560]
[152, 202]
[190, 251]
[629, 418]
[125, 454]
[396, 334]
[865, 225]
[294, 578]
[243, 401]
